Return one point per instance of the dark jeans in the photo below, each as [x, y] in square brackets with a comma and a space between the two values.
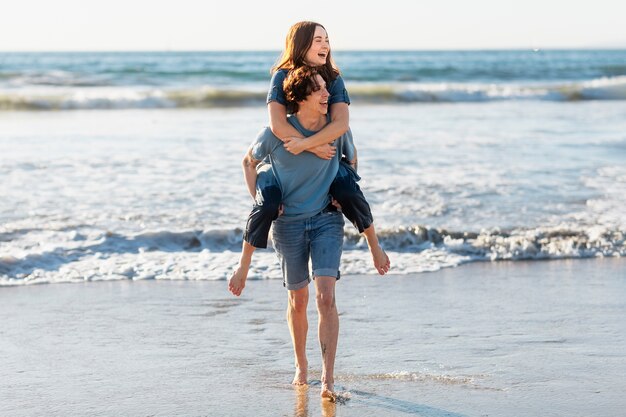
[344, 189]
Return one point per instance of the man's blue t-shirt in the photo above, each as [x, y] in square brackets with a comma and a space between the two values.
[336, 89]
[304, 179]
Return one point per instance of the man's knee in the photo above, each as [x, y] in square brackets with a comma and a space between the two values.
[325, 299]
[298, 301]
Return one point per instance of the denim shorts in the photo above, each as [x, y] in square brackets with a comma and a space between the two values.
[318, 239]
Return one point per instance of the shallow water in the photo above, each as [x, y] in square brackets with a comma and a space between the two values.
[498, 339]
[142, 194]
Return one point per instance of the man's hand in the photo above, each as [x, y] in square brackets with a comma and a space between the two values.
[249, 165]
[324, 151]
[336, 204]
[355, 164]
[295, 145]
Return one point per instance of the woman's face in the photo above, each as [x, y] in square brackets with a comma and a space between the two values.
[319, 49]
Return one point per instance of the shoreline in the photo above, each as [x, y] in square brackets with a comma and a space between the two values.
[274, 271]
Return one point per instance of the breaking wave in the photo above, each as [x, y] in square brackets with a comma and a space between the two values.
[212, 254]
[608, 88]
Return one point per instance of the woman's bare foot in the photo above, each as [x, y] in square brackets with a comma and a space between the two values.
[300, 376]
[237, 281]
[328, 391]
[380, 259]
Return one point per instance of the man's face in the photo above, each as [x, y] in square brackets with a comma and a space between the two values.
[318, 100]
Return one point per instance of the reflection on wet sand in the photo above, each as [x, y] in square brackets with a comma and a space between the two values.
[328, 408]
[302, 401]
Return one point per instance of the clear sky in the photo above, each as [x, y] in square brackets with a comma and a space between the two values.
[58, 25]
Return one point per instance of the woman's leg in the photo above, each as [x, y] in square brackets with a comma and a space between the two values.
[237, 281]
[348, 194]
[264, 212]
[355, 207]
[265, 209]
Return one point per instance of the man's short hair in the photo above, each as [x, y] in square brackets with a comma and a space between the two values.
[298, 85]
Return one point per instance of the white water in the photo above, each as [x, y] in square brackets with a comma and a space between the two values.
[141, 194]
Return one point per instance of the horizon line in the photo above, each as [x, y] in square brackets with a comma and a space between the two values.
[486, 49]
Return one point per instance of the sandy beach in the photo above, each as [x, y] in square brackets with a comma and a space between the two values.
[485, 339]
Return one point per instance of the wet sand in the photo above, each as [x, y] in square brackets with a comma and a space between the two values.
[484, 339]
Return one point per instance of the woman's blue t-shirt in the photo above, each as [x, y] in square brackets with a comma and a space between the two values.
[304, 179]
[336, 89]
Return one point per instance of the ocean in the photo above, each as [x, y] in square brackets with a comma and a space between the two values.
[126, 166]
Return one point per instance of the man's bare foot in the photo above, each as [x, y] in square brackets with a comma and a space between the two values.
[328, 391]
[237, 281]
[380, 259]
[300, 376]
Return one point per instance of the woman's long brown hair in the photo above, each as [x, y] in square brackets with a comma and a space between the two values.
[298, 41]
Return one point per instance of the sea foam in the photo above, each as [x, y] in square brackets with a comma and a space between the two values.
[128, 97]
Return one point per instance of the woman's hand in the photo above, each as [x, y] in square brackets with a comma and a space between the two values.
[295, 145]
[324, 151]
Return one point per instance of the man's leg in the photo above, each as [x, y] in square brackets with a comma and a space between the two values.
[291, 244]
[328, 331]
[326, 247]
[298, 327]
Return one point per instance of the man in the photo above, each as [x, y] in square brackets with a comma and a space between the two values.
[310, 227]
